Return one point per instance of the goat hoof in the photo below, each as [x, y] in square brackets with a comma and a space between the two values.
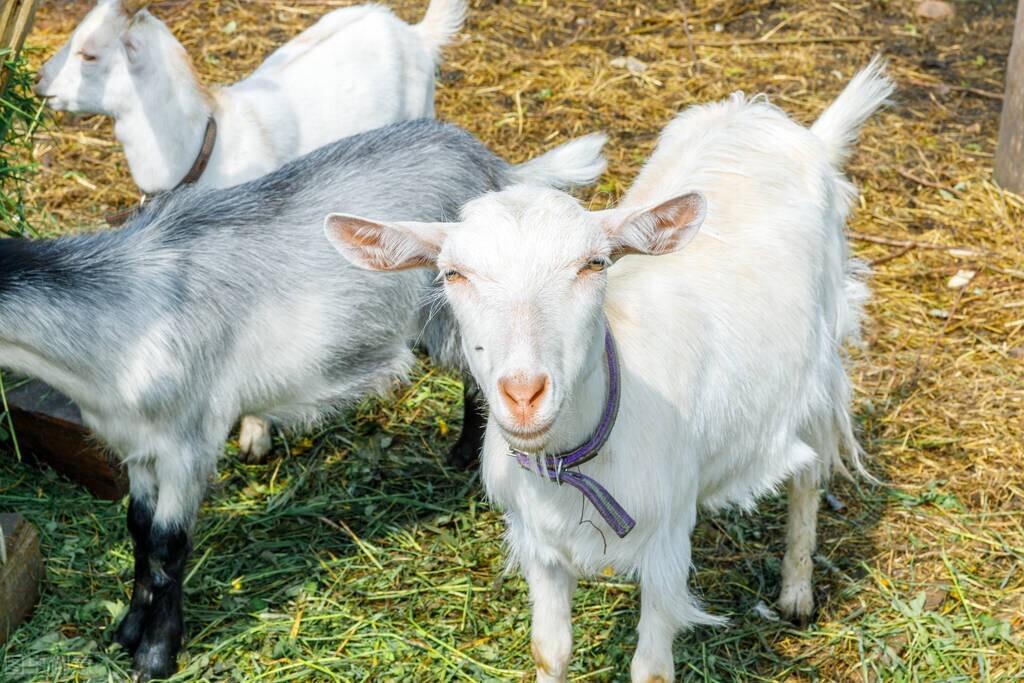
[797, 606]
[129, 631]
[154, 661]
[254, 439]
[465, 454]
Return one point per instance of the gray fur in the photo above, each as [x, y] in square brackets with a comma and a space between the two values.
[216, 302]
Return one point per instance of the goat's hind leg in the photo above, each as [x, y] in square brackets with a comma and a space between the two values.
[796, 600]
[255, 439]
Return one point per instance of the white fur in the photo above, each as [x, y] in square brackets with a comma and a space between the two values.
[547, 170]
[733, 377]
[356, 69]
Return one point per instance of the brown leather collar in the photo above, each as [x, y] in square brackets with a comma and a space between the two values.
[194, 173]
[205, 152]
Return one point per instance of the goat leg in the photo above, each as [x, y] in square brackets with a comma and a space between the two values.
[140, 521]
[157, 652]
[466, 451]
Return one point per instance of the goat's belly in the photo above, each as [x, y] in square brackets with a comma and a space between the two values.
[739, 477]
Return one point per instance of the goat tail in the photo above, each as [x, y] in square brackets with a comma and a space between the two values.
[839, 125]
[575, 163]
[444, 18]
[838, 128]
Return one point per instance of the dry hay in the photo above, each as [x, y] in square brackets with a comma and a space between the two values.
[939, 384]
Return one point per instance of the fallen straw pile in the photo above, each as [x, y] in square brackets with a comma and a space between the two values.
[356, 554]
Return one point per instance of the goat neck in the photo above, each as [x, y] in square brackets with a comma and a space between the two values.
[162, 130]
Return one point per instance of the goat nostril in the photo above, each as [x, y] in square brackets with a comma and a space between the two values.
[542, 388]
[523, 393]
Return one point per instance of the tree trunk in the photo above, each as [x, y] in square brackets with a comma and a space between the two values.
[1010, 152]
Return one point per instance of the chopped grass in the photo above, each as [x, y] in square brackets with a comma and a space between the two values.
[355, 554]
[20, 114]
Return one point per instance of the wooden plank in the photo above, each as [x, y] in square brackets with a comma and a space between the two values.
[16, 22]
[1009, 167]
[50, 431]
[20, 574]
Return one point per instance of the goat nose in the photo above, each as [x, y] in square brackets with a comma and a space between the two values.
[523, 394]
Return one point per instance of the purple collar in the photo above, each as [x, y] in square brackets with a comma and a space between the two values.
[560, 468]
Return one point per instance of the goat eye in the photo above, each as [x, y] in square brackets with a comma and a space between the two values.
[452, 275]
[87, 57]
[595, 265]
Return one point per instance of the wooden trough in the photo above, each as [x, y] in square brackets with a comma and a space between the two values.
[50, 431]
[21, 570]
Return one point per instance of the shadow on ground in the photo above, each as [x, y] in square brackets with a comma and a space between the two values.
[356, 553]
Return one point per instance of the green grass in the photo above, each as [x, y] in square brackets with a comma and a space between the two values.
[20, 115]
[355, 554]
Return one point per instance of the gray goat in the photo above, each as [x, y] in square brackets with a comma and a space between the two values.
[212, 302]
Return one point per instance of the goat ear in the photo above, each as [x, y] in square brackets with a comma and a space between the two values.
[131, 47]
[133, 7]
[667, 227]
[385, 246]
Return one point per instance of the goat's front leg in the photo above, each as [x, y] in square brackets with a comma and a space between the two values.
[551, 590]
[666, 606]
[181, 483]
[796, 601]
[653, 661]
[140, 520]
[157, 653]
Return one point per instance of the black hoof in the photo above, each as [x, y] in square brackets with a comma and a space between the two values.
[154, 661]
[464, 454]
[129, 632]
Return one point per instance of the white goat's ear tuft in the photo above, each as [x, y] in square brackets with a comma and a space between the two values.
[666, 228]
[132, 47]
[134, 6]
[385, 246]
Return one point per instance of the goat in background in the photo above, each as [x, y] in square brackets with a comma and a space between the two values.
[356, 69]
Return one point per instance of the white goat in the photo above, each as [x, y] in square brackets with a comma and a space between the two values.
[729, 378]
[356, 69]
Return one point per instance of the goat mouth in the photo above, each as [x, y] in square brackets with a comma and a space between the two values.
[527, 439]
